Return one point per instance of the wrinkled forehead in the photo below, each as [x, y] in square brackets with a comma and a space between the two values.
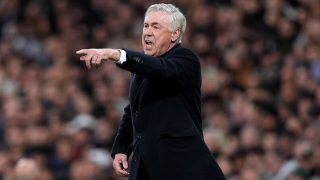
[157, 16]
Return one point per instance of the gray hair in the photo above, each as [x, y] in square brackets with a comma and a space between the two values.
[176, 19]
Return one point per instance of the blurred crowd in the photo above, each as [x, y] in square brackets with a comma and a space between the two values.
[260, 88]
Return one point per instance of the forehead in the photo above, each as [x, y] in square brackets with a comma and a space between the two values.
[157, 17]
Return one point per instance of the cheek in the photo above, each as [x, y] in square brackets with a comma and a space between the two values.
[163, 40]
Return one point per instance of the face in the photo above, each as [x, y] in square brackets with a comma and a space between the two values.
[156, 37]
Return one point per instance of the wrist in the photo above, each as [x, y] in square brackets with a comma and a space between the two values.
[116, 55]
[121, 155]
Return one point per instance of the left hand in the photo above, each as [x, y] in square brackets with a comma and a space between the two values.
[120, 164]
[96, 56]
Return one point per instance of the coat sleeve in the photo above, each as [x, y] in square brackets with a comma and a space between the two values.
[124, 135]
[178, 68]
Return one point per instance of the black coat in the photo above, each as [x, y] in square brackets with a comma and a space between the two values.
[162, 123]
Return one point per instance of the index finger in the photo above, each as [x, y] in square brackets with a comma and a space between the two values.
[119, 169]
[82, 51]
[123, 173]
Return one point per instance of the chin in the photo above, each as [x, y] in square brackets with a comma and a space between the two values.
[150, 53]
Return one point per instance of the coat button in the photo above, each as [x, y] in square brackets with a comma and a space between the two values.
[139, 136]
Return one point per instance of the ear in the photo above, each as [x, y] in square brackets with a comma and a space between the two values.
[175, 35]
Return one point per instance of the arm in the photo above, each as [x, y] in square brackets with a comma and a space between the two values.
[124, 135]
[120, 149]
[177, 69]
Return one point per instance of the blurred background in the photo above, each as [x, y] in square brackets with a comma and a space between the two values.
[260, 88]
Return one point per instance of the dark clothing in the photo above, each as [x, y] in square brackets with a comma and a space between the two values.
[162, 123]
[142, 172]
[138, 170]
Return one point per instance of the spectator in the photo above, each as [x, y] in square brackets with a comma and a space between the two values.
[27, 169]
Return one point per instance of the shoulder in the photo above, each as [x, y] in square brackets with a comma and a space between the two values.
[185, 52]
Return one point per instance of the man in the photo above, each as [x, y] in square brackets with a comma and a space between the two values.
[162, 124]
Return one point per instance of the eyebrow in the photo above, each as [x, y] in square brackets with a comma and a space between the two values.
[153, 23]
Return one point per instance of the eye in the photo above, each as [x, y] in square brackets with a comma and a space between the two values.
[157, 26]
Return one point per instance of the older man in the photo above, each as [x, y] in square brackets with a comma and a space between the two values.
[162, 123]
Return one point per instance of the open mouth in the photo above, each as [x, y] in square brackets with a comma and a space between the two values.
[148, 42]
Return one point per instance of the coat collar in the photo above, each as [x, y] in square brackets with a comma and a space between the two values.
[173, 48]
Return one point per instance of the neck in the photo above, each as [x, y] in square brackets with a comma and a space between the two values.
[171, 46]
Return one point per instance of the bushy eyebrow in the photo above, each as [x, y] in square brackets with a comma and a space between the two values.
[152, 24]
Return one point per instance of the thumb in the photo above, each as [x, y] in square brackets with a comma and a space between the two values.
[125, 163]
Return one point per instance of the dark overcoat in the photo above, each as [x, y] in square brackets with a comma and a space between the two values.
[162, 123]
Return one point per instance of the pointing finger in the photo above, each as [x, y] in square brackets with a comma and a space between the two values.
[82, 51]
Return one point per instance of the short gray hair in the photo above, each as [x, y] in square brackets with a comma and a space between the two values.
[177, 19]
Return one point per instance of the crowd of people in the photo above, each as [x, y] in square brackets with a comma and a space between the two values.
[260, 85]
